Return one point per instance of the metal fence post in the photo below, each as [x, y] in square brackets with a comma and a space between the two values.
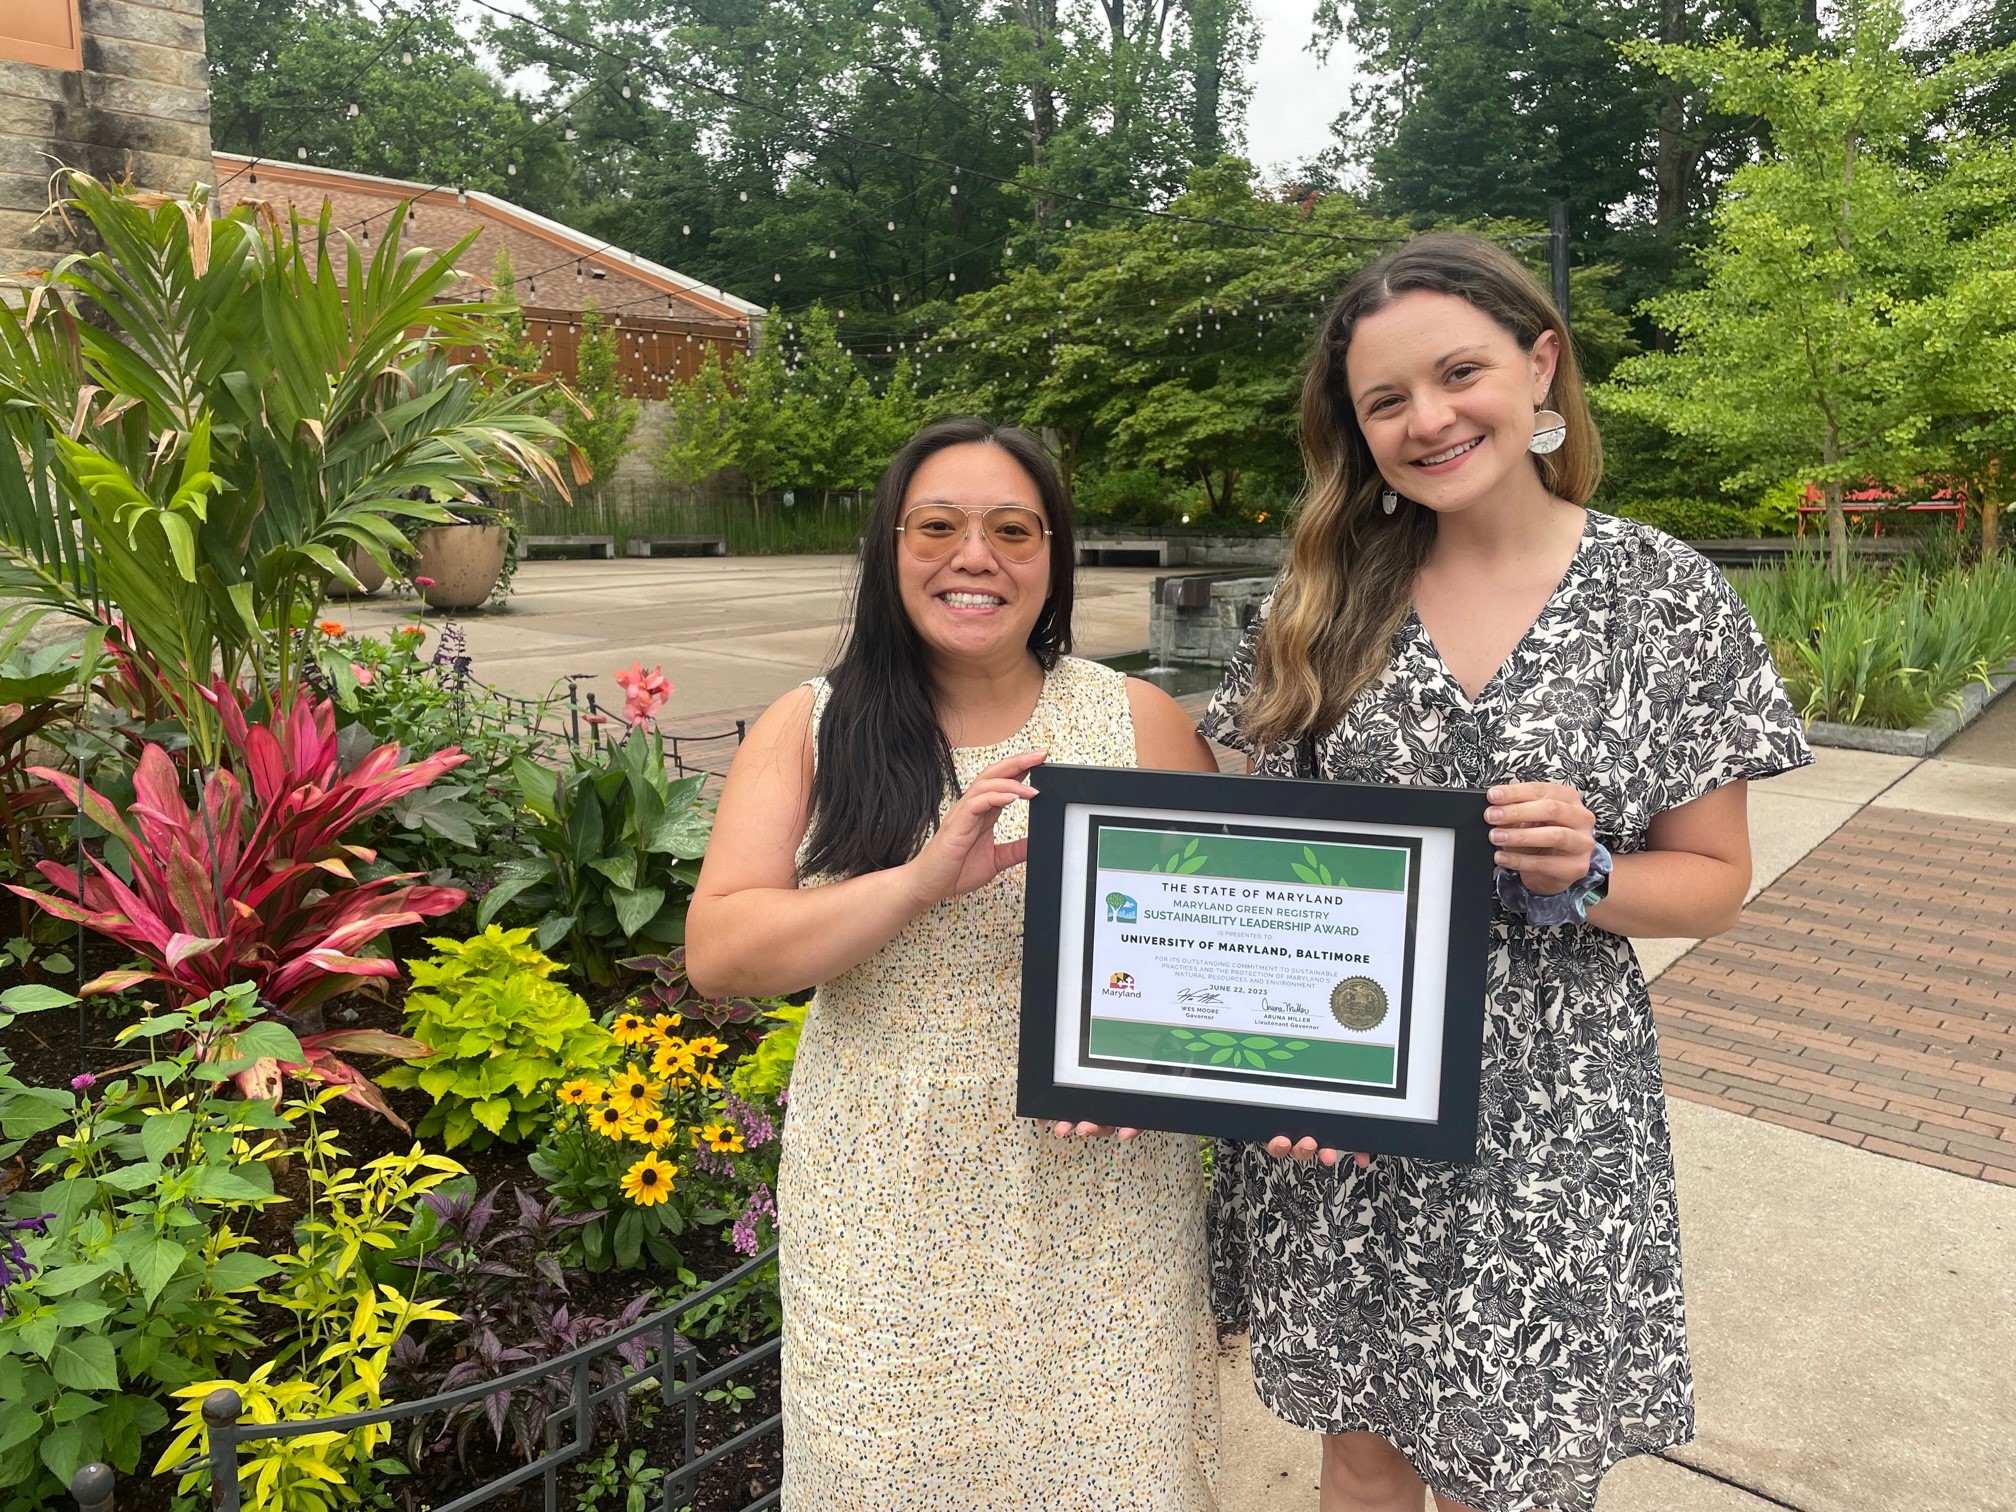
[220, 1416]
[92, 1487]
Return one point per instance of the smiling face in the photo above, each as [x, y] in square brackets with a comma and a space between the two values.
[972, 603]
[1445, 398]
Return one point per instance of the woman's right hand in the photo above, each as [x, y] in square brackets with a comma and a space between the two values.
[963, 854]
[1305, 1150]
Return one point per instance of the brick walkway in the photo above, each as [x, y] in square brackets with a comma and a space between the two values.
[1867, 996]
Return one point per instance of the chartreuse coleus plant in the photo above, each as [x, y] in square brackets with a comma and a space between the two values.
[131, 1272]
[503, 1035]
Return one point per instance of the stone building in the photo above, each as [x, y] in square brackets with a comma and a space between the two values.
[117, 87]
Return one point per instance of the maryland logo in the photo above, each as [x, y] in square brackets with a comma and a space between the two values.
[1120, 981]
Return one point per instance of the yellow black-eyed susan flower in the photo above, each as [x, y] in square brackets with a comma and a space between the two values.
[706, 1047]
[630, 1029]
[633, 1090]
[673, 1057]
[649, 1181]
[649, 1127]
[721, 1138]
[579, 1094]
[607, 1119]
[665, 1023]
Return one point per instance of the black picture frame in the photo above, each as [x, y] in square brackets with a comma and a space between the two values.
[1076, 798]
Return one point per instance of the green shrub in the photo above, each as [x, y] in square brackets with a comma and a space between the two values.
[397, 691]
[1690, 519]
[615, 849]
[1882, 649]
[1126, 496]
[503, 1037]
[134, 1274]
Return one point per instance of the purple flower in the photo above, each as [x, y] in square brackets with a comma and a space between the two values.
[712, 1162]
[754, 1124]
[84, 1081]
[14, 1265]
[760, 1206]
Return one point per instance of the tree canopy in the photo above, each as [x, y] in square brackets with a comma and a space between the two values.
[1857, 277]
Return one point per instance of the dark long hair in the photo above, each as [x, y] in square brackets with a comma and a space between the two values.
[884, 764]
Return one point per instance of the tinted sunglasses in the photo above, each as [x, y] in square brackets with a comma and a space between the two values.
[1013, 533]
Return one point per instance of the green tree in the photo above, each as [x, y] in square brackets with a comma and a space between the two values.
[1170, 347]
[700, 417]
[196, 462]
[1846, 266]
[599, 423]
[285, 74]
[832, 416]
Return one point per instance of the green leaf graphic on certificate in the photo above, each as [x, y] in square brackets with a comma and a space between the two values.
[1185, 863]
[1315, 872]
[1337, 1061]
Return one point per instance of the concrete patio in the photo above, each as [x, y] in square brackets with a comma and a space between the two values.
[1842, 1065]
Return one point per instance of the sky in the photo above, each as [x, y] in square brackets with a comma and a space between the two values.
[1294, 97]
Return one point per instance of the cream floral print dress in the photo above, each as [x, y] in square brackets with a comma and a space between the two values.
[978, 1314]
[1516, 1326]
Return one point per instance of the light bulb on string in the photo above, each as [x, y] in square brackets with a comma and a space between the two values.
[626, 91]
[406, 57]
[743, 195]
[352, 111]
[511, 169]
[685, 230]
[301, 153]
[461, 194]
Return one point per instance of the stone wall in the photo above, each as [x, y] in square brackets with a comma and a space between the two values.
[1202, 618]
[139, 106]
[1188, 548]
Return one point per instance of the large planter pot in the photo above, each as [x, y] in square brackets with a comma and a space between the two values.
[369, 574]
[464, 562]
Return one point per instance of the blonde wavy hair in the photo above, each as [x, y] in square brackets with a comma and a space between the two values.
[1350, 576]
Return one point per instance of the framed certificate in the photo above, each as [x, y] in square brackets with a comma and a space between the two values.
[1247, 957]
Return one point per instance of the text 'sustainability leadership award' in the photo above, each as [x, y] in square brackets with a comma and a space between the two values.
[1251, 958]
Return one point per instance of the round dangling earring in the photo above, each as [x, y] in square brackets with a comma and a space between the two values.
[1388, 501]
[1550, 432]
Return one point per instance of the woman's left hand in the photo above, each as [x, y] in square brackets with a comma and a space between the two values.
[1543, 831]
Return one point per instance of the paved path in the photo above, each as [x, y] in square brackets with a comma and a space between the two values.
[1868, 996]
[1851, 1296]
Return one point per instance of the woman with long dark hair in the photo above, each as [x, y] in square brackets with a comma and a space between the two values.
[1451, 616]
[977, 1312]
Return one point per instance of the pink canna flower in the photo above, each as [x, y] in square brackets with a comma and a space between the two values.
[644, 693]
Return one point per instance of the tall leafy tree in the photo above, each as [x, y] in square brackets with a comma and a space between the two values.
[1847, 270]
[600, 422]
[1504, 107]
[285, 74]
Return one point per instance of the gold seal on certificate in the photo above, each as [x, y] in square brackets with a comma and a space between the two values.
[1358, 1003]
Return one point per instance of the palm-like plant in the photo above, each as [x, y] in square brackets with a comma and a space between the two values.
[206, 417]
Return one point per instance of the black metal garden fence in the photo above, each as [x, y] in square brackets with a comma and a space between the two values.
[673, 1364]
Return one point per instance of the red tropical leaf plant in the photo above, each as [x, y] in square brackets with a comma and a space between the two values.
[261, 891]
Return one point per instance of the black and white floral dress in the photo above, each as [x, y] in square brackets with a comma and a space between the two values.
[1516, 1327]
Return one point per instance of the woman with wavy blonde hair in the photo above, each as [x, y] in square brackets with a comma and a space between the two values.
[1452, 616]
